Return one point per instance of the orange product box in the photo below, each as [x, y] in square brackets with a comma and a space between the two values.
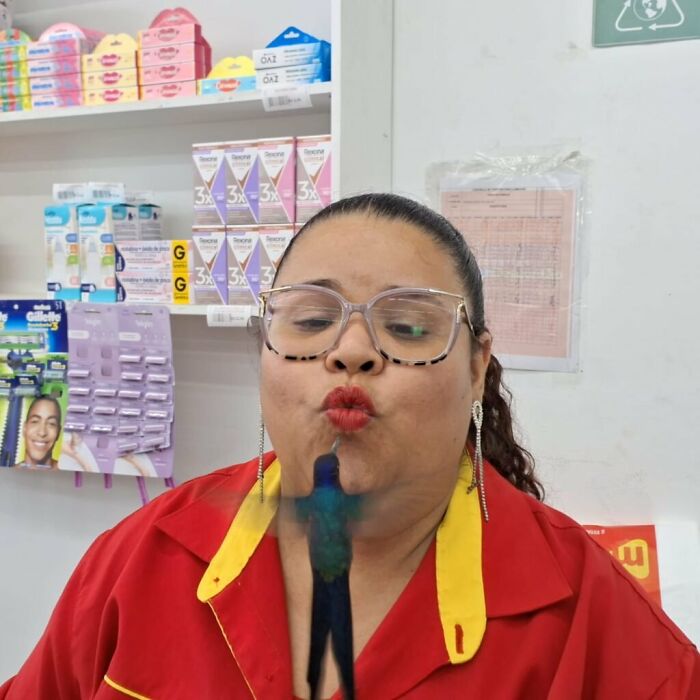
[111, 79]
[112, 95]
[166, 91]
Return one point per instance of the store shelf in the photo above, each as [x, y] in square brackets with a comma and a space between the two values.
[204, 108]
[223, 316]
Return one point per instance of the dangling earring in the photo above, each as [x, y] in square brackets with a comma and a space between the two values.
[478, 471]
[261, 473]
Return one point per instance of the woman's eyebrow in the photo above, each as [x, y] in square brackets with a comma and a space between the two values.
[325, 282]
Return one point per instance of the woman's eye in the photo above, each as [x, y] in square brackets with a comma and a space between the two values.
[407, 331]
[313, 324]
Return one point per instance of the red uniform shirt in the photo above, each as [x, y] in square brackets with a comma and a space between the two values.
[564, 620]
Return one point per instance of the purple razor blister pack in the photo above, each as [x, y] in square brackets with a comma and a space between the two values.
[118, 355]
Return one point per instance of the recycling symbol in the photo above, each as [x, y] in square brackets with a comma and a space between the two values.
[637, 15]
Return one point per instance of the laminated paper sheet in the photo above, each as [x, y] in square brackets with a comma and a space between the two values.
[523, 233]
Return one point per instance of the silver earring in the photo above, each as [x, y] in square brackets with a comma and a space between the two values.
[478, 471]
[261, 473]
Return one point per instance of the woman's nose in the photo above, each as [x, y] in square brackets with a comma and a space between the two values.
[355, 351]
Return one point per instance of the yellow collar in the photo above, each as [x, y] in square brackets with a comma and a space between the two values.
[460, 586]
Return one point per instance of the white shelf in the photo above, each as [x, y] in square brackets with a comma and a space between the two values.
[204, 108]
[229, 316]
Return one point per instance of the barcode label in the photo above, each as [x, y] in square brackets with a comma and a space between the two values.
[99, 194]
[65, 195]
[236, 316]
[286, 97]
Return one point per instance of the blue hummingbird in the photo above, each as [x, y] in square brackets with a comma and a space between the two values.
[327, 511]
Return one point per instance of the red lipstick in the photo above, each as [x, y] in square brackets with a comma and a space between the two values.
[348, 408]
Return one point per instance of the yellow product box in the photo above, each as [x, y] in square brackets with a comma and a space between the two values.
[111, 96]
[98, 80]
[114, 52]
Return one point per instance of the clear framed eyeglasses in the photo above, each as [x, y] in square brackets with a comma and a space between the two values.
[408, 325]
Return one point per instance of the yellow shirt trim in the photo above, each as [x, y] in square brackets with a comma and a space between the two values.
[460, 585]
[243, 537]
[120, 689]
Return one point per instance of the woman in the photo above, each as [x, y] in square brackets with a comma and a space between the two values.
[456, 591]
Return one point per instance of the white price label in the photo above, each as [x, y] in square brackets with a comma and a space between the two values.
[286, 97]
[236, 316]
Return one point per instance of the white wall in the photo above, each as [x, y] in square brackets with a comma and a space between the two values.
[616, 442]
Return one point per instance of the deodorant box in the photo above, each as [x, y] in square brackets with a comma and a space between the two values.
[209, 184]
[62, 252]
[209, 277]
[277, 180]
[242, 183]
[243, 254]
[314, 190]
[273, 241]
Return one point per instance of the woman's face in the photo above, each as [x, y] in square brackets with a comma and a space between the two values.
[412, 444]
[41, 430]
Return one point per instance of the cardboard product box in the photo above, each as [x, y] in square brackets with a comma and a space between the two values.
[273, 241]
[209, 277]
[277, 180]
[314, 189]
[109, 96]
[62, 252]
[56, 83]
[53, 100]
[243, 259]
[169, 91]
[209, 184]
[242, 169]
[101, 80]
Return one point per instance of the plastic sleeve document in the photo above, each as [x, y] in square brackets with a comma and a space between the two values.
[524, 238]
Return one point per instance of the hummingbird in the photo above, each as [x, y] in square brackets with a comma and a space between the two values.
[328, 510]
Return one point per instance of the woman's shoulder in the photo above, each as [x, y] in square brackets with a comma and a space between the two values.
[207, 503]
[596, 580]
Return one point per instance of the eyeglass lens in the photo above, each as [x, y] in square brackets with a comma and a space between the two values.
[412, 326]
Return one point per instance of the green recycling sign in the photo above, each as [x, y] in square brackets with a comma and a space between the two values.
[645, 21]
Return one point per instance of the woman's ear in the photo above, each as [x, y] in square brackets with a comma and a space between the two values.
[480, 357]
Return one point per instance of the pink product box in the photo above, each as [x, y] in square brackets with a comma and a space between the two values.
[179, 53]
[57, 83]
[170, 34]
[171, 72]
[58, 99]
[165, 91]
[50, 67]
[63, 48]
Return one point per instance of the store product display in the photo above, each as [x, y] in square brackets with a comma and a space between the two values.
[119, 418]
[173, 55]
[293, 57]
[33, 375]
[81, 229]
[70, 65]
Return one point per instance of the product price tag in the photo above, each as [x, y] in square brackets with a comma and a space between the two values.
[286, 97]
[236, 316]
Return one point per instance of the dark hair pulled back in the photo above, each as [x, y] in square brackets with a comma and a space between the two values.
[498, 441]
